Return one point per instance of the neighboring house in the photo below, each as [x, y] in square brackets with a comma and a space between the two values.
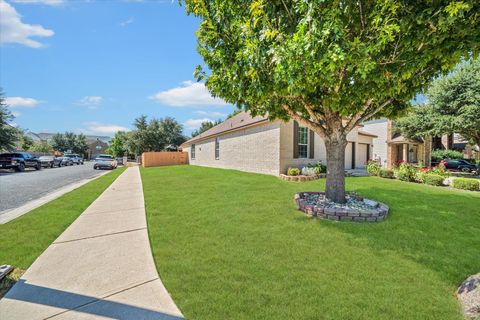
[255, 144]
[389, 148]
[96, 144]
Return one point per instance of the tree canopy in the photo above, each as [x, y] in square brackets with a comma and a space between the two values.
[204, 126]
[453, 106]
[8, 133]
[153, 135]
[330, 64]
[69, 141]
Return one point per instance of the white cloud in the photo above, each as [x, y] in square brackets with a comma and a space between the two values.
[188, 94]
[22, 102]
[96, 127]
[90, 101]
[126, 22]
[47, 2]
[13, 30]
[195, 123]
[211, 113]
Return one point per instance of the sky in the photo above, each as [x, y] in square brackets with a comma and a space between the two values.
[93, 66]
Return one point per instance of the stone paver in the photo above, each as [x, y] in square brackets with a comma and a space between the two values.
[101, 267]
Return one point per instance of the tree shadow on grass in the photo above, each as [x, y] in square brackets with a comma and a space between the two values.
[439, 228]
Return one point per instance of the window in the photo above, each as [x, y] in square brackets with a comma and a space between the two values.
[192, 152]
[217, 148]
[302, 142]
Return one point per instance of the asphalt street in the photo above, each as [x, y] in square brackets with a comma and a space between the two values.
[18, 188]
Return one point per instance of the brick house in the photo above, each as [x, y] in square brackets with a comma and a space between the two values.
[389, 147]
[255, 144]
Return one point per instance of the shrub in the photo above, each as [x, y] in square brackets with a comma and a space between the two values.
[466, 184]
[440, 169]
[293, 171]
[373, 168]
[406, 172]
[385, 173]
[439, 154]
[319, 167]
[308, 171]
[433, 179]
[420, 175]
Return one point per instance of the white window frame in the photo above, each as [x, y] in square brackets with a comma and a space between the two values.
[300, 129]
[192, 152]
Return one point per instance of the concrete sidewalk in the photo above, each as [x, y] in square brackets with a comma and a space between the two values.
[101, 267]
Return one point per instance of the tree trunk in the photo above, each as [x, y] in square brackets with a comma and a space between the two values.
[335, 188]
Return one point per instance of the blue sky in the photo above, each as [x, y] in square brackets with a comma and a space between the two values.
[93, 66]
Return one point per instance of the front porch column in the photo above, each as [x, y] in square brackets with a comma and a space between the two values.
[405, 152]
[427, 151]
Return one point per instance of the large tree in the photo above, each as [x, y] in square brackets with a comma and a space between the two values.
[153, 135]
[330, 65]
[8, 133]
[453, 106]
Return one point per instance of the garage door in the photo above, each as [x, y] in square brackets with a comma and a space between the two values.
[348, 156]
[361, 156]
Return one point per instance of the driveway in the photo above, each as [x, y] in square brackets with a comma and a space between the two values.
[18, 188]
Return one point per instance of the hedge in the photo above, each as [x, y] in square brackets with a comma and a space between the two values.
[466, 184]
[433, 179]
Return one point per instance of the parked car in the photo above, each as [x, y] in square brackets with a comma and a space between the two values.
[105, 161]
[120, 161]
[19, 161]
[66, 161]
[50, 161]
[76, 159]
[457, 165]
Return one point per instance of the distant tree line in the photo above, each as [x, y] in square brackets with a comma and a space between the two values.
[147, 136]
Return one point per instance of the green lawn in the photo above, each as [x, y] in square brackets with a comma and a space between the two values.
[231, 245]
[22, 240]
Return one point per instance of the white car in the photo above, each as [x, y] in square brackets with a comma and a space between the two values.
[105, 161]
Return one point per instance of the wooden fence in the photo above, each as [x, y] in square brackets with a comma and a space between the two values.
[155, 159]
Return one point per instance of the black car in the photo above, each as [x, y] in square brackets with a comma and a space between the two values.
[19, 161]
[458, 165]
[50, 161]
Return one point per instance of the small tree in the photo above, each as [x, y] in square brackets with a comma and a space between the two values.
[330, 65]
[59, 143]
[26, 141]
[42, 147]
[80, 144]
[118, 146]
[204, 126]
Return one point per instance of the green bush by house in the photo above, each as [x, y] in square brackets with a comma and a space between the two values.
[466, 184]
[293, 171]
[386, 173]
[433, 179]
[373, 168]
[439, 154]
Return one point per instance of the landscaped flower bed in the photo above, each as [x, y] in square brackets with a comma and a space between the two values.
[435, 176]
[356, 208]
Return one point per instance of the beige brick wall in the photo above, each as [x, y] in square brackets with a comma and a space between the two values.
[286, 148]
[265, 148]
[254, 149]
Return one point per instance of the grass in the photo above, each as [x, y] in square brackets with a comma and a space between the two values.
[231, 245]
[22, 240]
